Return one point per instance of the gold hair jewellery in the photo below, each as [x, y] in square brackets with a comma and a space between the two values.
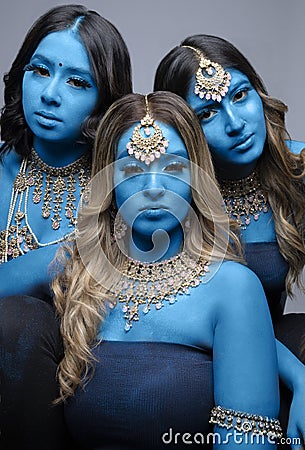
[212, 80]
[147, 141]
[244, 199]
[155, 283]
[49, 186]
[246, 423]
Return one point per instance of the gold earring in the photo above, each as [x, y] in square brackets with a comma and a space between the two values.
[120, 227]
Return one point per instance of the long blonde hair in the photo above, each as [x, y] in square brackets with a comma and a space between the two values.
[83, 288]
[280, 170]
[281, 173]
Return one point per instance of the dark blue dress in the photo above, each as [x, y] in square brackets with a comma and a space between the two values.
[141, 392]
[266, 261]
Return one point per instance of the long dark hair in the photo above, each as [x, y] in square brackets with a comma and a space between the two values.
[280, 170]
[110, 62]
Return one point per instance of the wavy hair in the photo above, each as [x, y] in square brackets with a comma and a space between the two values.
[84, 288]
[109, 60]
[280, 170]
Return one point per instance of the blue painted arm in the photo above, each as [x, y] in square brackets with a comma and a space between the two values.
[292, 373]
[28, 275]
[295, 146]
[244, 353]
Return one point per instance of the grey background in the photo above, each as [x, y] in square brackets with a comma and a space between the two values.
[271, 33]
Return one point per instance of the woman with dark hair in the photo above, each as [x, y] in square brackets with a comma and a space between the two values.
[260, 173]
[101, 43]
[66, 74]
[152, 344]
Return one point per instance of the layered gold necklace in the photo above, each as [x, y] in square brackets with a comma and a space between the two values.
[150, 284]
[50, 187]
[244, 199]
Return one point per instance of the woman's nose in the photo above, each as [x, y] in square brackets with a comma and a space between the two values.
[50, 94]
[154, 193]
[234, 122]
[153, 187]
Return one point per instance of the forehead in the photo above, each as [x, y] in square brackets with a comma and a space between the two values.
[63, 46]
[237, 78]
[176, 144]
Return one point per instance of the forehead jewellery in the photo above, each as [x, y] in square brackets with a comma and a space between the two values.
[244, 199]
[146, 285]
[50, 187]
[212, 80]
[147, 141]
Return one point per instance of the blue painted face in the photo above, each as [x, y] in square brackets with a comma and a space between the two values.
[156, 196]
[59, 90]
[235, 128]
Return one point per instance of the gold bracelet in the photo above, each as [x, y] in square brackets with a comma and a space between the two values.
[246, 423]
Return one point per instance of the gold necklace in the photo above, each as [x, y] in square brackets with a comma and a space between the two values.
[244, 198]
[60, 184]
[154, 283]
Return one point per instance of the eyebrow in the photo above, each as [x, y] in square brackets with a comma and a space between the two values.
[176, 152]
[165, 156]
[200, 108]
[78, 69]
[208, 103]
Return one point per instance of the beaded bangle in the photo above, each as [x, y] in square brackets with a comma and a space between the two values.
[246, 423]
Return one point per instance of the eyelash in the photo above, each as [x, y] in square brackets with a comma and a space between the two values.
[80, 82]
[36, 69]
[131, 169]
[175, 167]
[201, 115]
[243, 91]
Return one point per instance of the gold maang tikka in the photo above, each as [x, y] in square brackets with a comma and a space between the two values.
[212, 80]
[147, 141]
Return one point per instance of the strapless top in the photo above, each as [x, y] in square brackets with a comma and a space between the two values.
[266, 261]
[144, 396]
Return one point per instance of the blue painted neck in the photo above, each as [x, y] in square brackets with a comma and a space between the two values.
[158, 247]
[234, 171]
[58, 155]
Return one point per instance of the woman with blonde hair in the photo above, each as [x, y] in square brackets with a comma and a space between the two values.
[165, 332]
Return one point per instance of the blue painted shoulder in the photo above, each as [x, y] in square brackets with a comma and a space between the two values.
[295, 146]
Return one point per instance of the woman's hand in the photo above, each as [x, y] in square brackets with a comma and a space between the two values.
[292, 373]
[296, 423]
